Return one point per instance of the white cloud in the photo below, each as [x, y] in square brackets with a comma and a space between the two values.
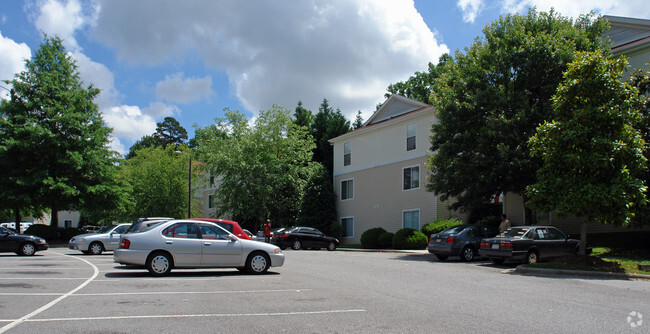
[470, 9]
[64, 18]
[631, 8]
[279, 51]
[12, 61]
[129, 122]
[100, 77]
[176, 89]
[159, 110]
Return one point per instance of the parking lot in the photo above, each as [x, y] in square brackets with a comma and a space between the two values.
[63, 291]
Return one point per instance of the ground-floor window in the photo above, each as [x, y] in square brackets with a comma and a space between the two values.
[347, 227]
[67, 223]
[411, 219]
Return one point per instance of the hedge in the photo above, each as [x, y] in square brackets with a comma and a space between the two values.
[408, 238]
[370, 238]
[439, 225]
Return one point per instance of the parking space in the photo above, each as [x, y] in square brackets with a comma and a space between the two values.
[315, 291]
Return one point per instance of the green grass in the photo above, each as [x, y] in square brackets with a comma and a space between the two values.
[604, 259]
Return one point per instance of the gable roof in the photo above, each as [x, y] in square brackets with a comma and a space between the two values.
[626, 32]
[395, 106]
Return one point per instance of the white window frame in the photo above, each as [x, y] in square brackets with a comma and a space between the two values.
[404, 181]
[419, 218]
[351, 218]
[347, 153]
[414, 136]
[351, 195]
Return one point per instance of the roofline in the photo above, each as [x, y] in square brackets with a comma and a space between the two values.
[629, 21]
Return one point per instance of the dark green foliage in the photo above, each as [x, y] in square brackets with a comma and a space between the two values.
[641, 80]
[318, 206]
[420, 86]
[170, 132]
[358, 122]
[385, 240]
[335, 229]
[66, 233]
[327, 125]
[44, 231]
[408, 238]
[370, 238]
[491, 99]
[303, 117]
[439, 225]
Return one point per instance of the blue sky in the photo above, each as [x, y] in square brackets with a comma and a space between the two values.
[191, 59]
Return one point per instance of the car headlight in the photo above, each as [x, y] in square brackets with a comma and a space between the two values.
[277, 251]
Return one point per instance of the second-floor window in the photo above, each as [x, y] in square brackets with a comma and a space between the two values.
[347, 154]
[410, 137]
[347, 189]
[411, 177]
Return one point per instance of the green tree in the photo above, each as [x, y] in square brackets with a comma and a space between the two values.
[303, 116]
[358, 122]
[420, 86]
[641, 80]
[159, 177]
[145, 141]
[170, 132]
[591, 151]
[327, 124]
[318, 207]
[263, 168]
[54, 147]
[491, 99]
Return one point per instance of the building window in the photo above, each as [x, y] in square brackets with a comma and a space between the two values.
[411, 177]
[410, 137]
[347, 154]
[210, 201]
[411, 219]
[67, 223]
[347, 189]
[347, 227]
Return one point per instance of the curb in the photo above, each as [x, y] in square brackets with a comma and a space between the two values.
[404, 251]
[522, 269]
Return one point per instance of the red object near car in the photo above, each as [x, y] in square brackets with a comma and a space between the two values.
[231, 226]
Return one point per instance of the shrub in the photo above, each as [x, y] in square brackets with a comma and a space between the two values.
[408, 238]
[385, 240]
[335, 230]
[44, 231]
[439, 225]
[370, 238]
[66, 233]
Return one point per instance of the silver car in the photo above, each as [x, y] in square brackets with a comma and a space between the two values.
[105, 239]
[194, 244]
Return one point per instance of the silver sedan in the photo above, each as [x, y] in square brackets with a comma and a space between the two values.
[194, 244]
[106, 239]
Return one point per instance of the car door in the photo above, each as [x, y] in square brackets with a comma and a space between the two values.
[8, 241]
[561, 246]
[114, 237]
[217, 247]
[543, 242]
[182, 240]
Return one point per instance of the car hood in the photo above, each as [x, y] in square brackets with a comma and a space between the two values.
[246, 243]
[90, 236]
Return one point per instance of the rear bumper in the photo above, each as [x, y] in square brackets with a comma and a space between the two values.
[502, 254]
[443, 249]
[131, 256]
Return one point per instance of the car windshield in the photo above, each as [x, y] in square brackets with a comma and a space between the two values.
[6, 230]
[454, 229]
[104, 229]
[514, 232]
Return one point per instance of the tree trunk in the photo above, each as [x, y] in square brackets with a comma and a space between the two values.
[583, 238]
[17, 219]
[54, 219]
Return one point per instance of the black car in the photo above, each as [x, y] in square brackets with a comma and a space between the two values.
[459, 240]
[20, 244]
[304, 237]
[529, 244]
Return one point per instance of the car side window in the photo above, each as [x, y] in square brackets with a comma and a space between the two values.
[212, 232]
[120, 229]
[554, 234]
[472, 232]
[541, 234]
[181, 230]
[226, 226]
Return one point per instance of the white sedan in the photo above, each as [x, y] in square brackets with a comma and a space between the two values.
[194, 244]
[105, 239]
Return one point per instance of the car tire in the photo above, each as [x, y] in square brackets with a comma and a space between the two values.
[498, 261]
[441, 257]
[159, 264]
[532, 257]
[283, 247]
[27, 249]
[467, 254]
[331, 246]
[96, 248]
[296, 245]
[258, 263]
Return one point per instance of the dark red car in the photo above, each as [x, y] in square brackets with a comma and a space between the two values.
[231, 226]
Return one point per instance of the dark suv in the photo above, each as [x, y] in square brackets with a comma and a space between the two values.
[459, 240]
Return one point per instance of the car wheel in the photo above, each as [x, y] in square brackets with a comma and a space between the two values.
[331, 246]
[95, 248]
[27, 249]
[441, 257]
[258, 263]
[467, 254]
[498, 261]
[532, 257]
[159, 264]
[297, 245]
[283, 247]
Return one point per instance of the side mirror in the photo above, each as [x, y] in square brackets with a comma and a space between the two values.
[232, 237]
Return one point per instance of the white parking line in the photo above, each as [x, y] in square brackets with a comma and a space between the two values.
[156, 293]
[54, 302]
[213, 315]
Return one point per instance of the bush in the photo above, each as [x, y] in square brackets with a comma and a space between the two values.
[370, 238]
[439, 225]
[66, 233]
[335, 230]
[408, 238]
[385, 240]
[44, 231]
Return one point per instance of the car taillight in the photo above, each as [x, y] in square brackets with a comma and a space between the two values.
[281, 235]
[125, 243]
[485, 245]
[505, 246]
[450, 240]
